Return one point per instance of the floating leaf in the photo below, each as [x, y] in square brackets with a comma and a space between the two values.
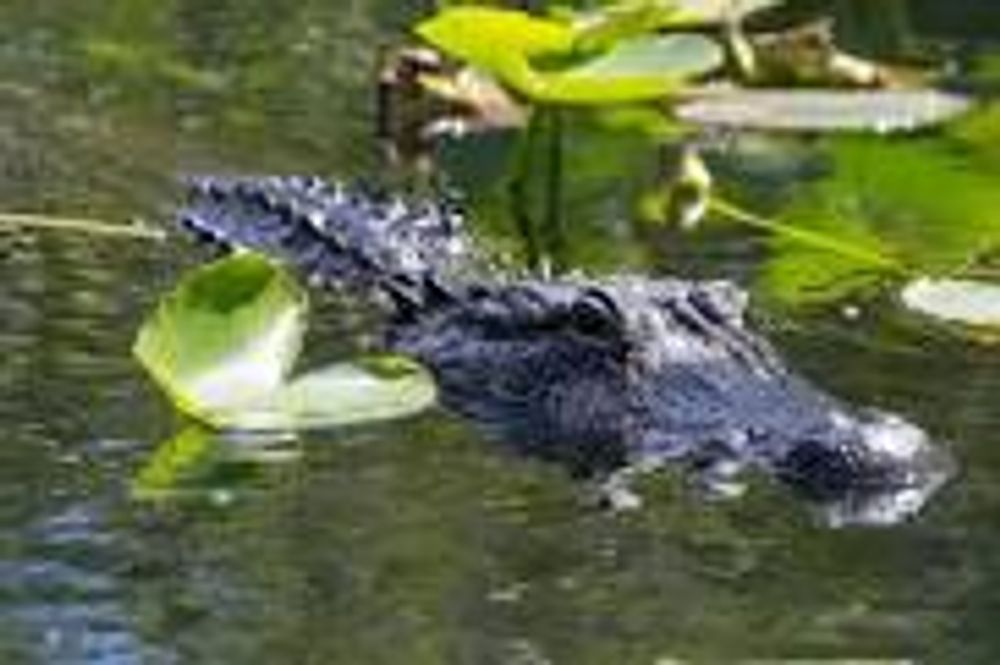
[633, 70]
[223, 343]
[963, 301]
[880, 111]
[507, 45]
[498, 41]
[225, 337]
[341, 394]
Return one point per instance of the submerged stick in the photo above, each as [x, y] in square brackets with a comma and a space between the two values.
[80, 225]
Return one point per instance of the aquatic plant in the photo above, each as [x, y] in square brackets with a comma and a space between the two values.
[223, 344]
[618, 54]
[914, 201]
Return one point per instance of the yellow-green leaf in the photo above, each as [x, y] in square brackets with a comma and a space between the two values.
[338, 395]
[633, 70]
[488, 38]
[227, 335]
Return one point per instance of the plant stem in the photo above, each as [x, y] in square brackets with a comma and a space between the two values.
[90, 226]
[555, 233]
[518, 192]
[817, 240]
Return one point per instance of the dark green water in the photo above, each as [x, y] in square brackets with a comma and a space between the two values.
[413, 542]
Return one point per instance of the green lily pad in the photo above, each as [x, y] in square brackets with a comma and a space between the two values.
[494, 40]
[337, 395]
[506, 44]
[964, 301]
[879, 111]
[637, 69]
[227, 336]
[223, 343]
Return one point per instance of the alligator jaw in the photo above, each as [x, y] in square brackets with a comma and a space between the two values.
[899, 468]
[871, 468]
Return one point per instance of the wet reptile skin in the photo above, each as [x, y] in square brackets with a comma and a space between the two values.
[606, 376]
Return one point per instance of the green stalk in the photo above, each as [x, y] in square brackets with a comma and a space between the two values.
[74, 225]
[518, 192]
[555, 233]
[812, 238]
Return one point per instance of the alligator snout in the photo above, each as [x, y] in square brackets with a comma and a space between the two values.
[880, 469]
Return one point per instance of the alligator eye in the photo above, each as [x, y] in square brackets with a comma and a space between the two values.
[595, 313]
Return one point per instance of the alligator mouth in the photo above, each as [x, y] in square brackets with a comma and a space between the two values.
[895, 470]
[887, 506]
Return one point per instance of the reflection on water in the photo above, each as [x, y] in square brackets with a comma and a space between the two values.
[408, 543]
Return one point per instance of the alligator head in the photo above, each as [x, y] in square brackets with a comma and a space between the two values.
[704, 388]
[622, 374]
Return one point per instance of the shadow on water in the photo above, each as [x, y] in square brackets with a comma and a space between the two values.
[414, 542]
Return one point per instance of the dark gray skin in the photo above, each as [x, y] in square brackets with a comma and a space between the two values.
[607, 376]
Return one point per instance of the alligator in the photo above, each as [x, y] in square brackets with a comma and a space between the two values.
[607, 376]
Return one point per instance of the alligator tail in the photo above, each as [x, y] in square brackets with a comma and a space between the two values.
[333, 234]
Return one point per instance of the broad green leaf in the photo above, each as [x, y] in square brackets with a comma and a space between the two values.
[225, 337]
[927, 203]
[879, 111]
[223, 343]
[964, 301]
[337, 395]
[913, 201]
[491, 38]
[643, 68]
[506, 44]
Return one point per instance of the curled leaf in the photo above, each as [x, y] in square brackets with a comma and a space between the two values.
[227, 335]
[223, 343]
[508, 44]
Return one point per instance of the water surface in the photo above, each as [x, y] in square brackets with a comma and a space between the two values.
[413, 542]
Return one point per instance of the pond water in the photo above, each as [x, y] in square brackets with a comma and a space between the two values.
[414, 542]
